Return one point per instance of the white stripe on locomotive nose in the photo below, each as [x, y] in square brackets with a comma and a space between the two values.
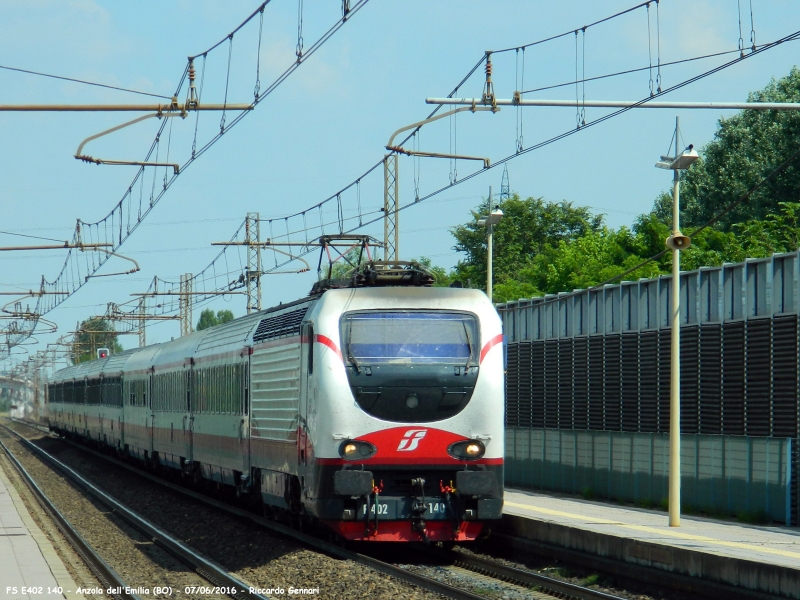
[411, 440]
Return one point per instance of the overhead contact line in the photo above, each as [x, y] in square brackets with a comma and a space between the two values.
[125, 216]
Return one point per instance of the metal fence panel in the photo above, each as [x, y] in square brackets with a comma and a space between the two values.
[746, 476]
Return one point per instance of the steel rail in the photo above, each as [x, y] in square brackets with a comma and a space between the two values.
[107, 576]
[528, 578]
[205, 567]
[476, 564]
[331, 549]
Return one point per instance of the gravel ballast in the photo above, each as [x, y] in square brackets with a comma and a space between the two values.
[255, 555]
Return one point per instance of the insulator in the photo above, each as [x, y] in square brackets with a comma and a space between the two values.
[488, 68]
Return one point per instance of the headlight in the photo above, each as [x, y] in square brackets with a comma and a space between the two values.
[355, 450]
[467, 450]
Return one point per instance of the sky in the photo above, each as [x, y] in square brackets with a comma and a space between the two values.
[326, 125]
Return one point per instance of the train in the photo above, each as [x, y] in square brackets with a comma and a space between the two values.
[375, 409]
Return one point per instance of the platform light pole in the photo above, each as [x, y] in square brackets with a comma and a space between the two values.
[490, 221]
[676, 242]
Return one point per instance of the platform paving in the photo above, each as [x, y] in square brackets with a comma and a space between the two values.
[760, 558]
[29, 566]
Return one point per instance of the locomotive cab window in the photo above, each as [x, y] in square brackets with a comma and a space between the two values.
[411, 366]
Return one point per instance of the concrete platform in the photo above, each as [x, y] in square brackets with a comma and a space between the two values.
[710, 557]
[29, 566]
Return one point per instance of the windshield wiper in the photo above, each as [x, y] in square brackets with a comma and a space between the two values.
[469, 343]
[350, 356]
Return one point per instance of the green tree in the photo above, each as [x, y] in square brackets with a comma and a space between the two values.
[92, 334]
[209, 319]
[443, 278]
[345, 265]
[745, 148]
[528, 227]
[543, 247]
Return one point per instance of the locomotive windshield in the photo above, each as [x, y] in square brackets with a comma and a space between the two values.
[411, 366]
[410, 337]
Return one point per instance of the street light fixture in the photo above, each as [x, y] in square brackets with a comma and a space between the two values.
[490, 221]
[676, 242]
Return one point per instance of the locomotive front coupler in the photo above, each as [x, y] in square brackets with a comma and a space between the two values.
[418, 508]
[376, 492]
[453, 505]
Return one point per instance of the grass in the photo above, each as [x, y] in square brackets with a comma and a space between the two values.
[587, 493]
[484, 591]
[646, 503]
[593, 579]
[754, 517]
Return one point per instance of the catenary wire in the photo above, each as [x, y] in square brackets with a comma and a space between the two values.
[94, 83]
[74, 272]
[568, 133]
[35, 237]
[571, 31]
[636, 70]
[763, 48]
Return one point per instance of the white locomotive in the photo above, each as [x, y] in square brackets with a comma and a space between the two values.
[376, 409]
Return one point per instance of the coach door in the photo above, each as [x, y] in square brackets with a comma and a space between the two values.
[244, 423]
[187, 425]
[149, 405]
[84, 392]
[304, 446]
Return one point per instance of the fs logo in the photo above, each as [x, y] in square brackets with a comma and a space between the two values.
[411, 440]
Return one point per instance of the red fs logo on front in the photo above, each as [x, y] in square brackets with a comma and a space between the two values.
[411, 440]
[403, 445]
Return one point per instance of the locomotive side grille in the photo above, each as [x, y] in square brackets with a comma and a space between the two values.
[275, 393]
[280, 325]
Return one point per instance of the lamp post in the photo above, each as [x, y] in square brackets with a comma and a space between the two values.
[676, 242]
[490, 221]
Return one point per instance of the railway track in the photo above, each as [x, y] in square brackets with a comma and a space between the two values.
[214, 576]
[523, 578]
[458, 565]
[105, 574]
